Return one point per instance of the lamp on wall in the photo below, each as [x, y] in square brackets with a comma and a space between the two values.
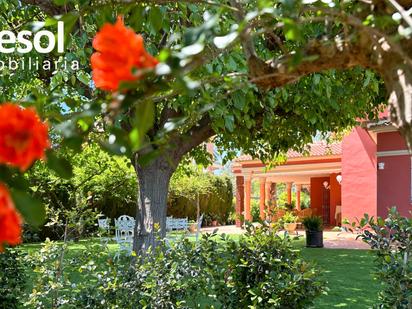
[339, 179]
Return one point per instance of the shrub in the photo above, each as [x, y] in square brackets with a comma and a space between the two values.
[12, 279]
[391, 240]
[100, 181]
[267, 273]
[255, 210]
[313, 223]
[289, 206]
[261, 270]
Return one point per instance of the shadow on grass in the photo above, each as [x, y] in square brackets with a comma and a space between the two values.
[349, 274]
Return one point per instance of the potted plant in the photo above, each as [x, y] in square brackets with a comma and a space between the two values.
[314, 231]
[207, 220]
[289, 222]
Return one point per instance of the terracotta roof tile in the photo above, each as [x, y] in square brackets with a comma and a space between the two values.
[316, 149]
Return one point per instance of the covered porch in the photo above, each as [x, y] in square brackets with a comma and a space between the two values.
[318, 173]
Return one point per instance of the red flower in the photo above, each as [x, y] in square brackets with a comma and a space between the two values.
[23, 137]
[119, 51]
[10, 221]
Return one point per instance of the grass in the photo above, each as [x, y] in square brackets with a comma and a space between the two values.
[349, 273]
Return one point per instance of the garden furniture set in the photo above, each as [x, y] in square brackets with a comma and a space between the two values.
[124, 230]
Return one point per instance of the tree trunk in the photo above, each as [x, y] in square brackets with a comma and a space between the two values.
[154, 181]
[152, 203]
[197, 216]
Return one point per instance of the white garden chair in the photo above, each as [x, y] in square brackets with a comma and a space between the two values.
[124, 233]
[104, 230]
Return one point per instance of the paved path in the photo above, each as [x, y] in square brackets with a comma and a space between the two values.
[331, 239]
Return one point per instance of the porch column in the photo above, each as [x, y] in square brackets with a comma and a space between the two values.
[298, 190]
[262, 197]
[239, 200]
[289, 190]
[267, 197]
[248, 185]
[267, 191]
[273, 195]
[272, 200]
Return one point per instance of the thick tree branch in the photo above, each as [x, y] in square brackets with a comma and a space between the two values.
[198, 134]
[255, 63]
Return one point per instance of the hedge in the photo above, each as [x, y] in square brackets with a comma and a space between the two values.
[216, 204]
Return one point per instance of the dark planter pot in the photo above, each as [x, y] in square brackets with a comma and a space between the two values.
[314, 239]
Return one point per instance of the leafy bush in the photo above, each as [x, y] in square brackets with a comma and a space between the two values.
[107, 183]
[255, 210]
[261, 270]
[289, 217]
[268, 273]
[391, 240]
[313, 223]
[12, 279]
[289, 206]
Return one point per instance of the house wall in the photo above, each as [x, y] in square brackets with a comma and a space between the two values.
[394, 180]
[359, 175]
[316, 189]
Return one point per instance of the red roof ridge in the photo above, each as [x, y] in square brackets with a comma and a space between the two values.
[316, 149]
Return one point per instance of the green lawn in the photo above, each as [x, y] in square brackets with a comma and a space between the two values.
[350, 277]
[349, 273]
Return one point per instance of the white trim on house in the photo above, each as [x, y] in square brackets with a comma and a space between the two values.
[393, 153]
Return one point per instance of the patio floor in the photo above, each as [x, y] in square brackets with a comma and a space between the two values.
[331, 239]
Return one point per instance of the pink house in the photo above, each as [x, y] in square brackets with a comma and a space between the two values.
[368, 172]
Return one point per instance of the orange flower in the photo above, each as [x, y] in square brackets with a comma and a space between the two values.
[23, 137]
[10, 221]
[119, 51]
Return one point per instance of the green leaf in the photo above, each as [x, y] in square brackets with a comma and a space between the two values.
[328, 91]
[83, 77]
[156, 18]
[135, 138]
[137, 18]
[230, 122]
[60, 165]
[31, 209]
[69, 20]
[142, 122]
[291, 30]
[316, 79]
[239, 100]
